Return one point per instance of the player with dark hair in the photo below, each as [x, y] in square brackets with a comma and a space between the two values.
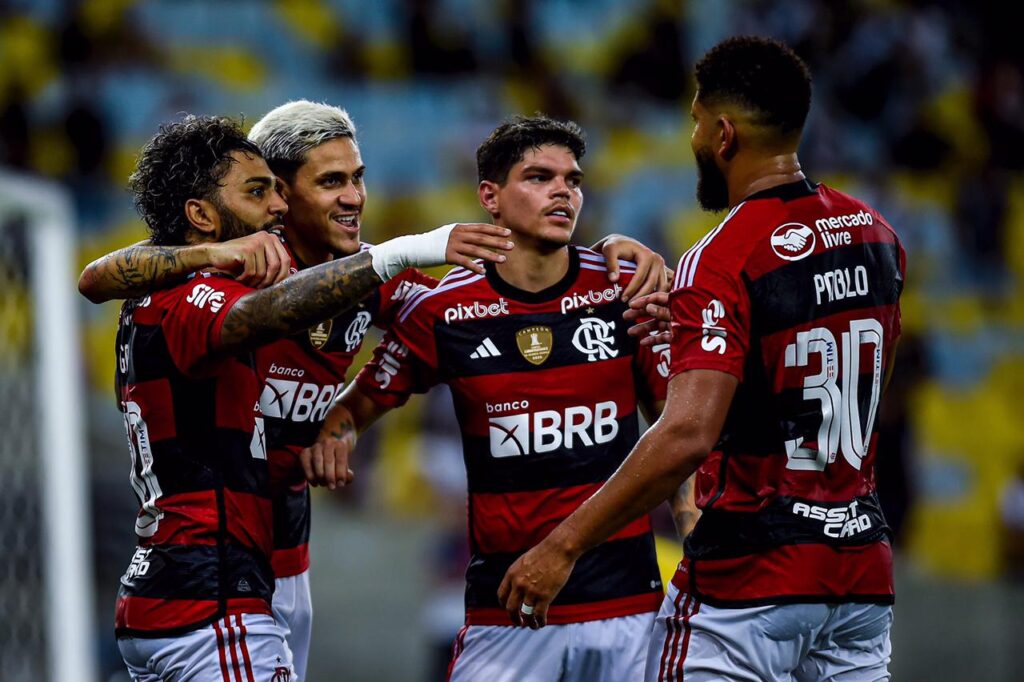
[546, 383]
[785, 319]
[195, 602]
[312, 148]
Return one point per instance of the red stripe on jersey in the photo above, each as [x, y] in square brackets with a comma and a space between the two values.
[291, 561]
[577, 613]
[153, 398]
[670, 633]
[145, 613]
[457, 648]
[794, 572]
[188, 519]
[249, 520]
[514, 522]
[236, 379]
[231, 648]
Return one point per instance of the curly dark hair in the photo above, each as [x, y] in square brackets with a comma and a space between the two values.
[762, 75]
[505, 146]
[185, 160]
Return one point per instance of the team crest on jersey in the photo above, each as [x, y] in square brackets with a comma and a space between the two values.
[595, 338]
[281, 674]
[534, 343]
[319, 334]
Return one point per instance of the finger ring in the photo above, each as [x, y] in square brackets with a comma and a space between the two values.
[526, 609]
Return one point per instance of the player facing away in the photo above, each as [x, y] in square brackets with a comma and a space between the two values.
[546, 384]
[194, 602]
[312, 148]
[785, 319]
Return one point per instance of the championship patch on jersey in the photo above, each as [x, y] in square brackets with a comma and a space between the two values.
[534, 343]
[319, 334]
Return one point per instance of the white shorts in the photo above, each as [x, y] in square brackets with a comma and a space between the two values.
[293, 610]
[696, 642]
[246, 648]
[611, 650]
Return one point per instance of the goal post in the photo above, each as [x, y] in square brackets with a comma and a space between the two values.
[37, 254]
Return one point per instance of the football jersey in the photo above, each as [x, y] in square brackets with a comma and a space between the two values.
[301, 376]
[199, 464]
[796, 293]
[545, 387]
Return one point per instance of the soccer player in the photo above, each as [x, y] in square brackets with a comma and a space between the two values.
[546, 383]
[312, 149]
[195, 602]
[785, 319]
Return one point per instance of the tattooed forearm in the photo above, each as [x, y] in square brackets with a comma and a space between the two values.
[134, 271]
[684, 509]
[300, 301]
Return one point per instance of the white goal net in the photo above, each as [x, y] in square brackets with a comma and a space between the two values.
[46, 589]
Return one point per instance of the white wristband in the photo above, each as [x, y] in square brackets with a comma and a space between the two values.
[411, 251]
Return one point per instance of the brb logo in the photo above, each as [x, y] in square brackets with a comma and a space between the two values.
[712, 335]
[792, 241]
[295, 401]
[590, 298]
[203, 294]
[477, 311]
[549, 430]
[594, 339]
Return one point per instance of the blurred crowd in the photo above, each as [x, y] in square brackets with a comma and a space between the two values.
[918, 109]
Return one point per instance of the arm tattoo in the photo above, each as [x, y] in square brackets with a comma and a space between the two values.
[297, 303]
[684, 509]
[137, 270]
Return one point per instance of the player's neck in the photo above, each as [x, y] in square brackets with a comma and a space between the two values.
[534, 269]
[763, 173]
[307, 254]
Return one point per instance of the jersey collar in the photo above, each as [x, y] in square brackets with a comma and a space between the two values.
[551, 292]
[788, 192]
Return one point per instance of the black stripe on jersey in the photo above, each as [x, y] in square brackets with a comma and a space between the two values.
[291, 519]
[149, 359]
[458, 342]
[225, 461]
[569, 467]
[192, 572]
[620, 568]
[727, 534]
[283, 432]
[786, 297]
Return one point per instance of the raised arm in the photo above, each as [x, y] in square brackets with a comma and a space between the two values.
[258, 260]
[327, 290]
[326, 462]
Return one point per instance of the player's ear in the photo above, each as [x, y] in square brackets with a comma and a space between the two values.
[728, 141]
[202, 215]
[487, 192]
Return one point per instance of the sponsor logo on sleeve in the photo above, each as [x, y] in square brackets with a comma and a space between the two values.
[204, 295]
[793, 241]
[712, 334]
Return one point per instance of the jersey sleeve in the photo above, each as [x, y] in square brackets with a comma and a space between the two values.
[194, 317]
[405, 362]
[710, 310]
[399, 289]
[651, 366]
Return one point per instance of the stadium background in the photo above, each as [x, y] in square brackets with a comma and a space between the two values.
[918, 109]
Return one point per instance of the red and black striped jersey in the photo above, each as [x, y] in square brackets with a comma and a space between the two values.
[301, 376]
[796, 293]
[545, 388]
[199, 464]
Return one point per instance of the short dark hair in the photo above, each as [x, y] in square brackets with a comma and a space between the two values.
[507, 143]
[762, 75]
[184, 160]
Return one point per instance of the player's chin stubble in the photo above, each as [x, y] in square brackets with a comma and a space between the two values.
[712, 190]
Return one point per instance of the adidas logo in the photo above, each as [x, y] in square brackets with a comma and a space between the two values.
[487, 349]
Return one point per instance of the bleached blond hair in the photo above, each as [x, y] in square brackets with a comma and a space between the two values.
[286, 134]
